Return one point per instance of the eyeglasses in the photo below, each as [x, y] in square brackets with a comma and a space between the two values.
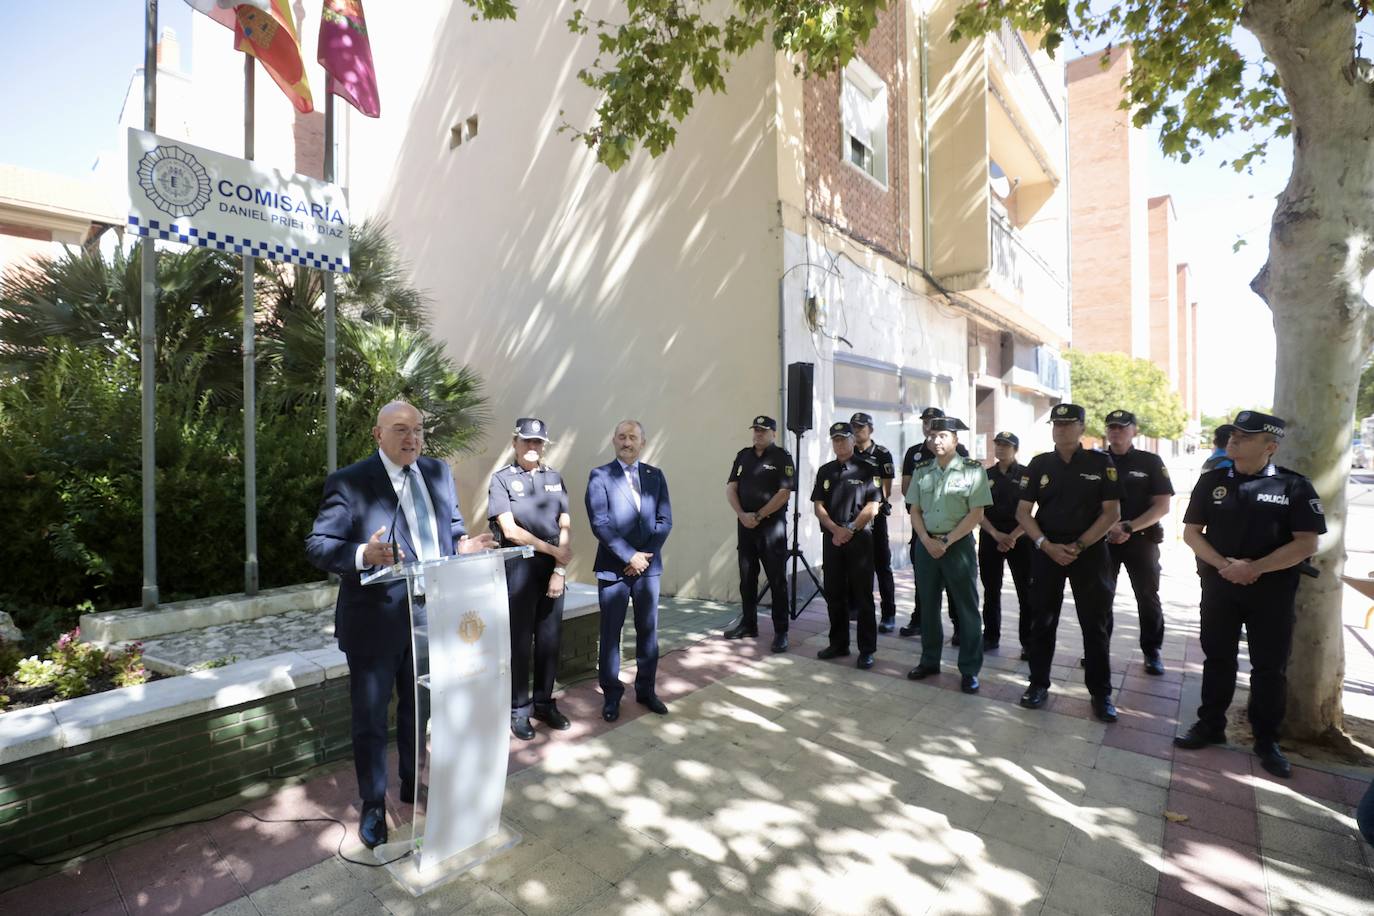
[417, 431]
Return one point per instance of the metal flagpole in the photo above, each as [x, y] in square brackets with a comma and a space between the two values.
[147, 353]
[250, 441]
[330, 356]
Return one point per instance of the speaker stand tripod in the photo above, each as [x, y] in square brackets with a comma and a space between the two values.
[795, 553]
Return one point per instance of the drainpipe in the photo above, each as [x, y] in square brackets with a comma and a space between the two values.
[925, 145]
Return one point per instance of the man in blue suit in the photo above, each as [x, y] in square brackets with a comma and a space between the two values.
[627, 504]
[352, 535]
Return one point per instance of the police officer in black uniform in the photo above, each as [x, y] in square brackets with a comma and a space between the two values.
[882, 461]
[1134, 541]
[1079, 501]
[1250, 526]
[527, 505]
[761, 481]
[916, 453]
[1002, 540]
[847, 496]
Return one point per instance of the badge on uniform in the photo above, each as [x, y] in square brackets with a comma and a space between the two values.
[1219, 493]
[1044, 480]
[825, 485]
[791, 470]
[517, 486]
[1163, 470]
[739, 470]
[1025, 482]
[1111, 474]
[877, 482]
[887, 468]
[1316, 505]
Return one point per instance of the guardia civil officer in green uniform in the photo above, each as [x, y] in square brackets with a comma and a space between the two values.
[1079, 500]
[1250, 525]
[527, 505]
[882, 462]
[1134, 541]
[846, 497]
[916, 453]
[948, 495]
[761, 481]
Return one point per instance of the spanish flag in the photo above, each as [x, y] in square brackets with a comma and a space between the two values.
[271, 38]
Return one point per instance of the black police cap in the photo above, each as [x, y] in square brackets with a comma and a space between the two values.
[1252, 421]
[861, 419]
[762, 422]
[841, 429]
[950, 424]
[530, 428]
[1009, 438]
[930, 413]
[1121, 418]
[1068, 413]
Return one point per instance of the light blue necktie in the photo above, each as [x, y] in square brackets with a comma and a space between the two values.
[424, 538]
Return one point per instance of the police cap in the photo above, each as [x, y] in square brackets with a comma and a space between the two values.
[861, 419]
[1068, 413]
[1252, 421]
[947, 424]
[841, 429]
[1009, 438]
[762, 422]
[1121, 418]
[530, 428]
[930, 413]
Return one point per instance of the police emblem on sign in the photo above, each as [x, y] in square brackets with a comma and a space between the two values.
[1219, 493]
[174, 181]
[471, 627]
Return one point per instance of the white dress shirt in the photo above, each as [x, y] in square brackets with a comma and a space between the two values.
[397, 473]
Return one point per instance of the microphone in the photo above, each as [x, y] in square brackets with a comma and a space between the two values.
[391, 529]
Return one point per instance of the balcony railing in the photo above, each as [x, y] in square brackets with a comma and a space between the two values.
[1023, 276]
[1020, 62]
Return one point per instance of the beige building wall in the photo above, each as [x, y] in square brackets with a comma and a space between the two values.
[584, 296]
[1165, 286]
[1110, 230]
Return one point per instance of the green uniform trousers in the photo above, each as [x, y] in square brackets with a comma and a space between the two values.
[957, 573]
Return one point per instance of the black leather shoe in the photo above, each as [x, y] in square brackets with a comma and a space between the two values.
[1104, 709]
[521, 728]
[1025, 656]
[653, 704]
[551, 717]
[954, 640]
[832, 652]
[865, 660]
[1082, 662]
[372, 826]
[969, 683]
[407, 793]
[741, 631]
[1199, 735]
[910, 629]
[921, 672]
[1272, 759]
[989, 644]
[887, 624]
[1154, 664]
[611, 711]
[1035, 697]
[779, 642]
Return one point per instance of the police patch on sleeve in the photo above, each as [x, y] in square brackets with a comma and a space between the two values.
[1163, 470]
[1025, 482]
[1316, 505]
[739, 470]
[887, 468]
[791, 470]
[825, 485]
[1044, 480]
[1219, 493]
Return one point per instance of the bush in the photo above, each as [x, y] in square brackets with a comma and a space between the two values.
[71, 666]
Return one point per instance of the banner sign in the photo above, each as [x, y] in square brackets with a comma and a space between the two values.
[183, 193]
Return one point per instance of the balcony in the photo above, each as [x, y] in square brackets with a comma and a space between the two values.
[1022, 276]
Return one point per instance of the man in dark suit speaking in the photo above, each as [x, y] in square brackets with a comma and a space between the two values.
[627, 505]
[351, 536]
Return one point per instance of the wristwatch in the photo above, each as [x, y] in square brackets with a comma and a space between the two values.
[1126, 527]
[1038, 541]
[560, 571]
[1080, 545]
[850, 526]
[943, 538]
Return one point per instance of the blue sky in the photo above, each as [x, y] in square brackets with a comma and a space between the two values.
[76, 58]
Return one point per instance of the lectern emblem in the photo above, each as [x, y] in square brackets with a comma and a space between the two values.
[471, 627]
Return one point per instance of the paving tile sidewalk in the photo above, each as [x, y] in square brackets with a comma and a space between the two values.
[783, 784]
